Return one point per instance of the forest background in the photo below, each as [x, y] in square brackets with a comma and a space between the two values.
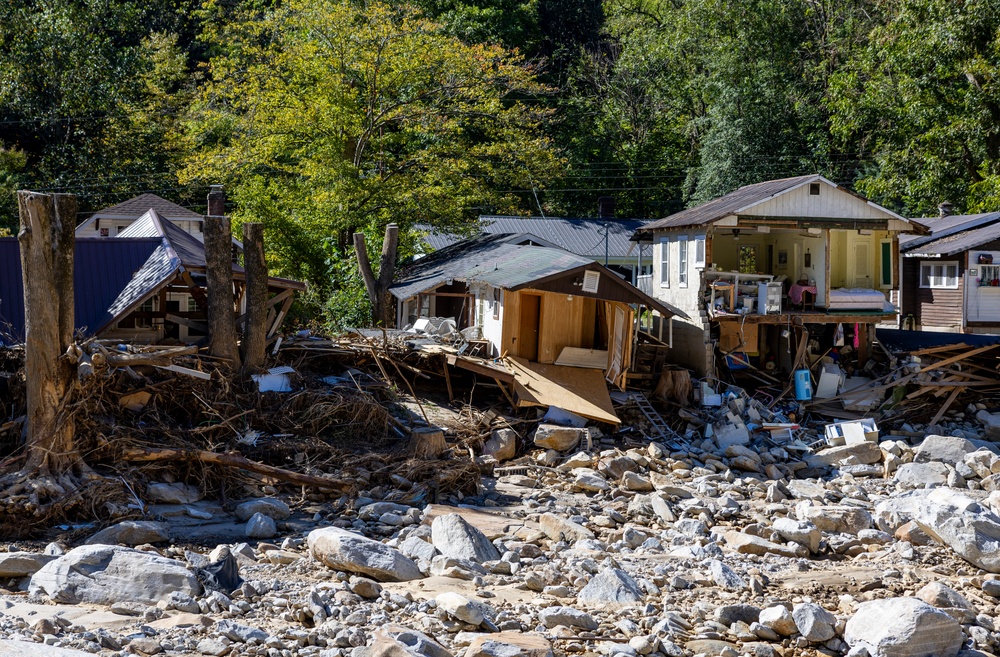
[325, 117]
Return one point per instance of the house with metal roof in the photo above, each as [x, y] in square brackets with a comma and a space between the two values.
[147, 284]
[606, 240]
[745, 267]
[540, 303]
[950, 281]
[113, 221]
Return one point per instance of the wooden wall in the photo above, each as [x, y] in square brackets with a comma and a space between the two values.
[563, 322]
[931, 308]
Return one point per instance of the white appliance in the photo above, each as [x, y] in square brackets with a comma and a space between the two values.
[769, 298]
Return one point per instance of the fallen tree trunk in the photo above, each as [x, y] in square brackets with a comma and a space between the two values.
[231, 460]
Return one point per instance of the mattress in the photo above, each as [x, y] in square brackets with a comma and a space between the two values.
[856, 299]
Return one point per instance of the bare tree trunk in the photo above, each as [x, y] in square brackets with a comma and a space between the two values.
[47, 242]
[219, 271]
[255, 326]
[383, 309]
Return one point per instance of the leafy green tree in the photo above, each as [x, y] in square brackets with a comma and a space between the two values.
[330, 116]
[922, 101]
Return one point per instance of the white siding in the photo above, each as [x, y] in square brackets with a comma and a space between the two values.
[90, 228]
[684, 298]
[492, 328]
[830, 203]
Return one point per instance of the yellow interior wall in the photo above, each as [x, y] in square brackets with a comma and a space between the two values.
[563, 322]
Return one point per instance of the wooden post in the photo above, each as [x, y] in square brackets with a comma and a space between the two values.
[46, 239]
[255, 327]
[864, 345]
[219, 271]
[383, 310]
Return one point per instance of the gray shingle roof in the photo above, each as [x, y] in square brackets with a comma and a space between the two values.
[951, 234]
[136, 207]
[583, 237]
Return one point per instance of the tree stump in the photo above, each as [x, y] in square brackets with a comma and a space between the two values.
[427, 443]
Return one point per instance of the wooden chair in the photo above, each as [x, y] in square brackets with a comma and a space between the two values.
[808, 300]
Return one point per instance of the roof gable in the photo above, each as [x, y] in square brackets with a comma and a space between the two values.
[953, 234]
[787, 197]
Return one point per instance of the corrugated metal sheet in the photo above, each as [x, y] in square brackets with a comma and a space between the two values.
[190, 251]
[580, 236]
[493, 260]
[729, 204]
[490, 259]
[101, 269]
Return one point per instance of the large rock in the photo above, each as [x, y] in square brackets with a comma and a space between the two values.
[22, 564]
[175, 493]
[611, 586]
[779, 619]
[835, 518]
[942, 596]
[561, 439]
[131, 532]
[814, 623]
[725, 576]
[802, 532]
[509, 644]
[343, 550]
[106, 574]
[903, 627]
[10, 648]
[750, 544]
[858, 453]
[963, 525]
[560, 529]
[921, 475]
[269, 506]
[502, 444]
[260, 526]
[398, 641]
[552, 616]
[943, 449]
[460, 607]
[454, 537]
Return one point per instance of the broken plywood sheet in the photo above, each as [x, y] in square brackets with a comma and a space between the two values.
[577, 390]
[594, 359]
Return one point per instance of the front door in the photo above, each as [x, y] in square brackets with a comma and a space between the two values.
[531, 311]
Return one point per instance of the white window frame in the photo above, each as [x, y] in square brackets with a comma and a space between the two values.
[933, 282]
[664, 262]
[892, 274]
[699, 251]
[682, 261]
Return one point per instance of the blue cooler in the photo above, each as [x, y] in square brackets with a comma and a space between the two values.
[803, 386]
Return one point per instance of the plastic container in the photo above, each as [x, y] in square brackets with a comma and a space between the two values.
[803, 385]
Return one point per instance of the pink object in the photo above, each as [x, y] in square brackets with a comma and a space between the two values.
[796, 290]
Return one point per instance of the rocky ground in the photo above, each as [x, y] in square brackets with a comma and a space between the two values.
[583, 547]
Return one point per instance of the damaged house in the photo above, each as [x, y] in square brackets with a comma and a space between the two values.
[144, 285]
[761, 270]
[541, 304]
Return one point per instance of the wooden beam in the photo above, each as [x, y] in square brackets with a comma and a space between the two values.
[480, 366]
[954, 359]
[190, 323]
[281, 317]
[945, 405]
[864, 344]
[281, 296]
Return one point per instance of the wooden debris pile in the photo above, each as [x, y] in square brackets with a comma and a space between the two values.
[145, 414]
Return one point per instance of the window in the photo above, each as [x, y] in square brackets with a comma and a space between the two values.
[664, 262]
[105, 232]
[496, 303]
[748, 259]
[814, 189]
[699, 251]
[682, 261]
[939, 275]
[192, 304]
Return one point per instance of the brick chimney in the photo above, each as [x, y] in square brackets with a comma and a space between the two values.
[216, 201]
[606, 207]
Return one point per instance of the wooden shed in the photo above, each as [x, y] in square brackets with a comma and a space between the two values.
[539, 303]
